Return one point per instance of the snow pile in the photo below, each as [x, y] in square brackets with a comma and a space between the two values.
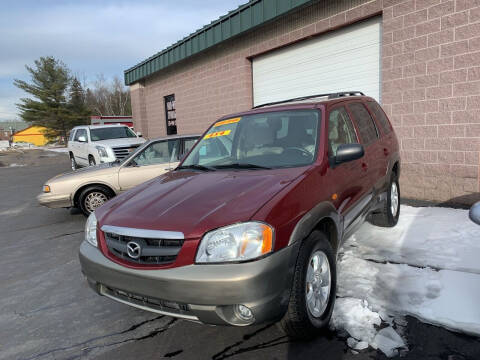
[57, 149]
[427, 267]
[3, 145]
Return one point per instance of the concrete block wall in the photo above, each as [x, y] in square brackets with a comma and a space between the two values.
[430, 85]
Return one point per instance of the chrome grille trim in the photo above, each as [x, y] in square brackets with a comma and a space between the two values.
[124, 151]
[143, 233]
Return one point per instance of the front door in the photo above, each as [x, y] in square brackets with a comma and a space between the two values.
[348, 189]
[154, 160]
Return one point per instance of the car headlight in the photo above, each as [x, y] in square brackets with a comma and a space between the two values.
[239, 242]
[102, 152]
[91, 230]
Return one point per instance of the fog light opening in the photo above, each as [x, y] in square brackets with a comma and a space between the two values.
[243, 312]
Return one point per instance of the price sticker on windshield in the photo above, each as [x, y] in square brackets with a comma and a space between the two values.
[217, 134]
[226, 122]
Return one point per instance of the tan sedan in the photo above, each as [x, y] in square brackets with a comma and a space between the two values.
[90, 187]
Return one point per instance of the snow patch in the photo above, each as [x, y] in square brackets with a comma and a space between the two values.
[57, 149]
[427, 267]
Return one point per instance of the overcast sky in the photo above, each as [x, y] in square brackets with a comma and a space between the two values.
[92, 36]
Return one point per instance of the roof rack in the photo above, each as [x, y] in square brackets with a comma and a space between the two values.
[328, 95]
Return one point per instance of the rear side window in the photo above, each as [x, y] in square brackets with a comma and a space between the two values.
[380, 116]
[366, 126]
[340, 130]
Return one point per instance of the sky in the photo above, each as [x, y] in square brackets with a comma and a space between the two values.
[92, 37]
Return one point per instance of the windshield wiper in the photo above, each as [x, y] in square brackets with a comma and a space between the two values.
[196, 167]
[241, 166]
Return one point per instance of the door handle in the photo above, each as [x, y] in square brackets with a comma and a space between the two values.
[364, 166]
[385, 151]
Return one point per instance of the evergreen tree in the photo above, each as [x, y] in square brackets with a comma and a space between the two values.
[49, 83]
[79, 113]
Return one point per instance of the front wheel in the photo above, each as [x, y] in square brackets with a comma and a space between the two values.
[93, 197]
[73, 162]
[313, 291]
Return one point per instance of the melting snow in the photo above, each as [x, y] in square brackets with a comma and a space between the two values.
[427, 266]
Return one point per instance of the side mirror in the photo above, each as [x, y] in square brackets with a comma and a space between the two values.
[82, 138]
[475, 213]
[349, 152]
[139, 134]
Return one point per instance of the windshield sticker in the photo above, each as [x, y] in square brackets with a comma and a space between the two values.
[217, 134]
[226, 122]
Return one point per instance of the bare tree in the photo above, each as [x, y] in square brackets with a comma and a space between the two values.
[108, 97]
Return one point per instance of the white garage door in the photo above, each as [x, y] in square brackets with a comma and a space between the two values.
[346, 59]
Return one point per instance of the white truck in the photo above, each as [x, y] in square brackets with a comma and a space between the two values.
[96, 144]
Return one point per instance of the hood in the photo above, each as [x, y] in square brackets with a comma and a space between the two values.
[85, 172]
[195, 202]
[120, 142]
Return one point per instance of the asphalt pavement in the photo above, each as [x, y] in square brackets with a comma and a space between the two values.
[47, 311]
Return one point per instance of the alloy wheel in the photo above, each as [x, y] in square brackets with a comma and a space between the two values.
[318, 284]
[394, 199]
[93, 200]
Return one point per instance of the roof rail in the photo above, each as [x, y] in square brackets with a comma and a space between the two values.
[327, 95]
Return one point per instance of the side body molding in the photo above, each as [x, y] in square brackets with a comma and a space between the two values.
[311, 219]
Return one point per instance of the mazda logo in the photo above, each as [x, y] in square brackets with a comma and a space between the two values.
[134, 250]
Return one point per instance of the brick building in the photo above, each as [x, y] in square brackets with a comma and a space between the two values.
[419, 58]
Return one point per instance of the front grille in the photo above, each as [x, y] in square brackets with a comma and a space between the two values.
[152, 304]
[152, 251]
[124, 151]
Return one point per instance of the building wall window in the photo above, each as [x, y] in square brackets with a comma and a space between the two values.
[170, 114]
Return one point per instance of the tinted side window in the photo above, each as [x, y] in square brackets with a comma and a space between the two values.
[366, 126]
[188, 145]
[380, 116]
[340, 130]
[80, 132]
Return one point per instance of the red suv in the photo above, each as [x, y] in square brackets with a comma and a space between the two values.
[246, 230]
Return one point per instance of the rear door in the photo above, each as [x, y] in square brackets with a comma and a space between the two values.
[349, 179]
[369, 139]
[387, 138]
[154, 160]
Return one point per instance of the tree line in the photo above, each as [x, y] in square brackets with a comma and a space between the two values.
[59, 101]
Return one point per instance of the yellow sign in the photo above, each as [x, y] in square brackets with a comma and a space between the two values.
[217, 134]
[226, 122]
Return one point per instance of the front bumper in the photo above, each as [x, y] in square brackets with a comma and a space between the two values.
[204, 293]
[54, 201]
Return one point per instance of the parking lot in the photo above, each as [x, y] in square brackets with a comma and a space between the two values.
[47, 311]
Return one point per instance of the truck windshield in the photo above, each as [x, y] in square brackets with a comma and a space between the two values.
[114, 132]
[258, 141]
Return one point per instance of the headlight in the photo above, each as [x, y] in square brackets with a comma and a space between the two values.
[238, 242]
[46, 188]
[102, 152]
[91, 230]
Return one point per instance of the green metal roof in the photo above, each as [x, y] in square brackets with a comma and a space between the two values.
[236, 22]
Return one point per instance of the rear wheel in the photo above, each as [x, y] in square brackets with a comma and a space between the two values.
[91, 160]
[73, 162]
[93, 197]
[390, 211]
[313, 291]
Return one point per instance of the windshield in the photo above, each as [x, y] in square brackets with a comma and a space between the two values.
[114, 132]
[267, 140]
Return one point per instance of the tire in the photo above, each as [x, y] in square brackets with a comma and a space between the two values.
[387, 216]
[91, 161]
[299, 322]
[93, 197]
[73, 162]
